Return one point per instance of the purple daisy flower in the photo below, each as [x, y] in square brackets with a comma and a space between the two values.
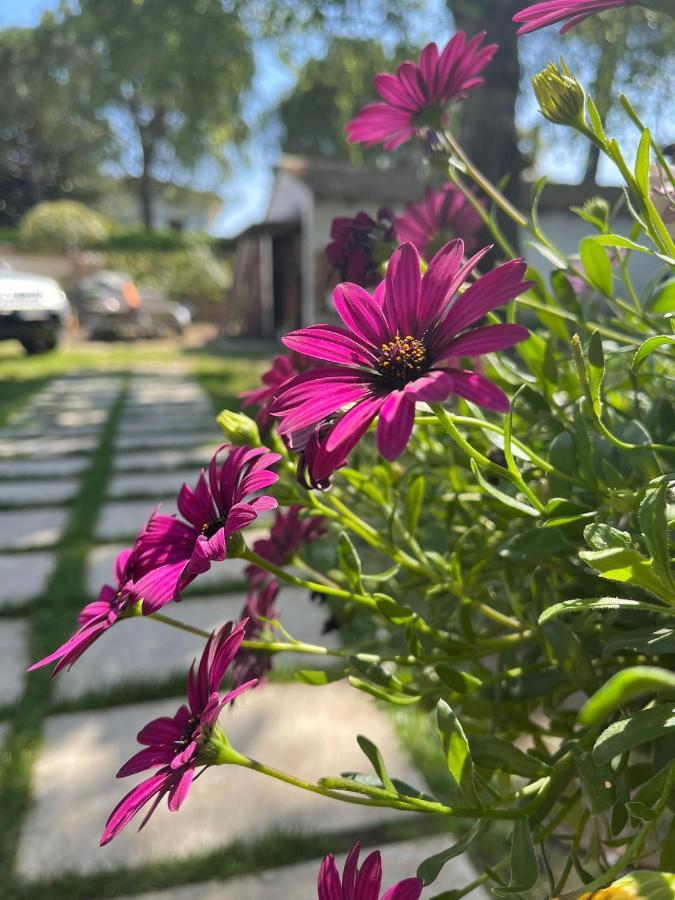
[394, 349]
[571, 12]
[363, 883]
[443, 215]
[359, 245]
[288, 533]
[178, 744]
[216, 509]
[133, 583]
[259, 605]
[283, 367]
[419, 95]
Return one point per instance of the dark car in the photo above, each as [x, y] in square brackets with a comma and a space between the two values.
[108, 305]
[33, 310]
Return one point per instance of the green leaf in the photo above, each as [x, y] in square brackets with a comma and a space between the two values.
[535, 544]
[413, 501]
[597, 266]
[599, 797]
[457, 752]
[627, 567]
[650, 641]
[497, 754]
[429, 870]
[570, 654]
[319, 677]
[621, 688]
[642, 163]
[596, 371]
[647, 347]
[646, 725]
[591, 604]
[375, 758]
[604, 537]
[397, 613]
[349, 562]
[459, 681]
[503, 497]
[382, 694]
[662, 301]
[524, 865]
[652, 516]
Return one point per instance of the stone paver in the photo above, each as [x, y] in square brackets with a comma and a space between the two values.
[13, 659]
[149, 484]
[140, 650]
[164, 460]
[58, 467]
[46, 445]
[298, 882]
[221, 575]
[152, 441]
[168, 420]
[124, 519]
[307, 731]
[29, 493]
[23, 576]
[24, 530]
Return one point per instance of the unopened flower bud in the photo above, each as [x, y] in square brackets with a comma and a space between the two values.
[235, 545]
[561, 98]
[239, 428]
[597, 208]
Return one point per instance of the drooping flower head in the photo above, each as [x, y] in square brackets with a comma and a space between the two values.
[570, 12]
[220, 506]
[394, 349]
[288, 533]
[362, 883]
[443, 215]
[259, 606]
[359, 245]
[132, 582]
[417, 97]
[284, 366]
[316, 465]
[181, 743]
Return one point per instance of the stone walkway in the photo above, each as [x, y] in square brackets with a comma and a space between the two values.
[165, 432]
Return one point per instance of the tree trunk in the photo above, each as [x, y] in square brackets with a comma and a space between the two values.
[145, 188]
[488, 122]
[602, 94]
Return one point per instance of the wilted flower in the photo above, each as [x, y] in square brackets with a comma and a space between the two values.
[443, 215]
[394, 349]
[283, 367]
[181, 743]
[363, 883]
[217, 509]
[316, 465]
[560, 96]
[360, 245]
[132, 584]
[571, 12]
[418, 96]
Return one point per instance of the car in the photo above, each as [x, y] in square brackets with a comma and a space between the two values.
[166, 316]
[108, 305]
[33, 310]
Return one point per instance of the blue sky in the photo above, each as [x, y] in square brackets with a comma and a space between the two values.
[246, 191]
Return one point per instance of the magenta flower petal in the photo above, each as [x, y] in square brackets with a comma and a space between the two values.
[395, 424]
[479, 390]
[571, 12]
[180, 788]
[369, 879]
[443, 215]
[402, 290]
[360, 313]
[148, 758]
[363, 883]
[132, 803]
[353, 424]
[329, 880]
[410, 889]
[485, 340]
[330, 343]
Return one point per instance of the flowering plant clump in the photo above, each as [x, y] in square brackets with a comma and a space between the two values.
[476, 468]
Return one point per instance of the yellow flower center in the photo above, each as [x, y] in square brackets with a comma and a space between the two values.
[402, 360]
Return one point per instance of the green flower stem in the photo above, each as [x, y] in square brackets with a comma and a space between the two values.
[498, 617]
[484, 183]
[315, 586]
[446, 420]
[300, 563]
[174, 623]
[489, 221]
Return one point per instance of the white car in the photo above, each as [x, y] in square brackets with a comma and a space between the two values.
[33, 310]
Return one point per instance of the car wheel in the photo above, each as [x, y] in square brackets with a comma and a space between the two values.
[40, 345]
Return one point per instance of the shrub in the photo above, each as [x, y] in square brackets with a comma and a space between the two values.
[192, 275]
[61, 226]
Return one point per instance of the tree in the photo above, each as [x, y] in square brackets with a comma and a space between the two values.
[328, 93]
[51, 142]
[174, 72]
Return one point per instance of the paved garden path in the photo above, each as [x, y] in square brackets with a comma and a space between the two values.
[81, 467]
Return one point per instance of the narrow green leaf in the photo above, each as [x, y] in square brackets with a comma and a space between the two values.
[591, 604]
[503, 497]
[598, 795]
[491, 752]
[646, 725]
[430, 868]
[319, 677]
[621, 688]
[650, 641]
[349, 562]
[597, 266]
[457, 752]
[647, 347]
[627, 567]
[642, 163]
[596, 371]
[524, 864]
[413, 501]
[604, 537]
[654, 527]
[375, 758]
[459, 681]
[382, 694]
